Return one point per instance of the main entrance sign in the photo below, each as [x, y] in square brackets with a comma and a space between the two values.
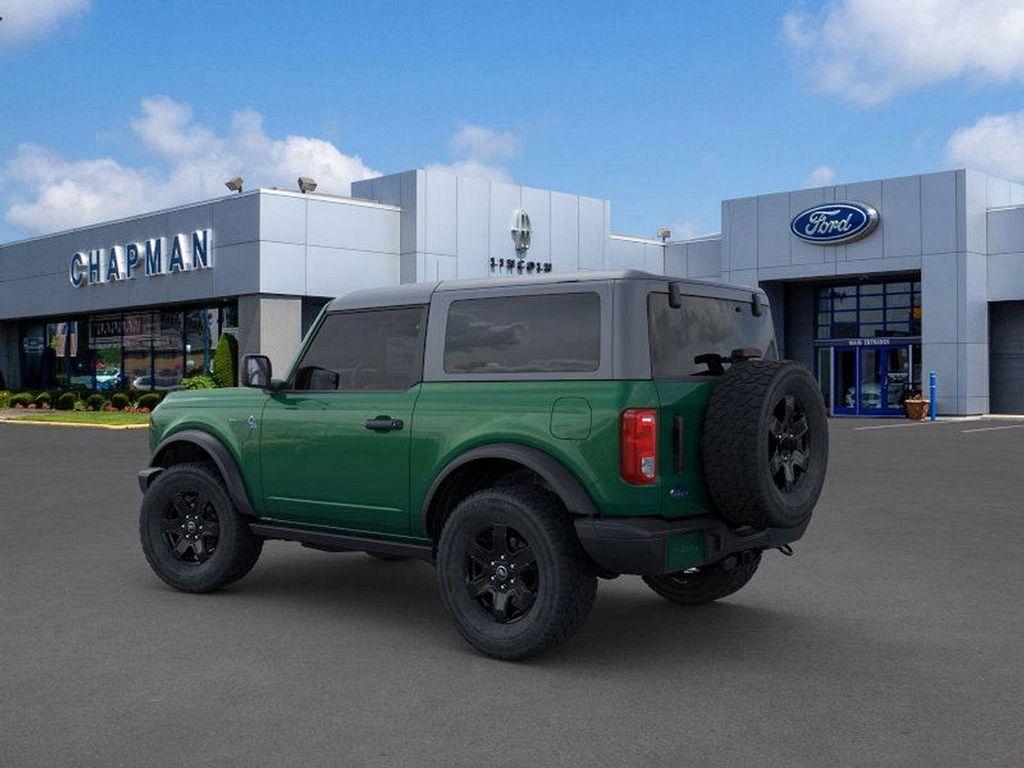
[156, 256]
[834, 223]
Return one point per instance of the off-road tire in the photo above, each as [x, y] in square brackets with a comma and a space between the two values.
[740, 446]
[566, 584]
[236, 550]
[699, 586]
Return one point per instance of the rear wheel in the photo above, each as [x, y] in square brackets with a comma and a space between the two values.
[698, 586]
[191, 533]
[511, 572]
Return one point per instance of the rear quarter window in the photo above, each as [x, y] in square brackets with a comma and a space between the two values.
[550, 333]
[700, 326]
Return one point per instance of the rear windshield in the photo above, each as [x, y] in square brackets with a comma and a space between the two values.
[703, 326]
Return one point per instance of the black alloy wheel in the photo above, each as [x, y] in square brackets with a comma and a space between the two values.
[511, 571]
[190, 527]
[501, 573]
[191, 533]
[788, 447]
[765, 444]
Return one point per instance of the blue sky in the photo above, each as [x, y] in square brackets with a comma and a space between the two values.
[109, 108]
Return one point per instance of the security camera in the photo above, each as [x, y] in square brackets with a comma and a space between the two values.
[306, 184]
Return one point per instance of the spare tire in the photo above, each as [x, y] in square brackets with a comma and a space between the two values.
[765, 444]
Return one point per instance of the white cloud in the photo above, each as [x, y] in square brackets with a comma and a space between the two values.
[820, 176]
[479, 151]
[25, 20]
[994, 143]
[868, 50]
[49, 192]
[481, 143]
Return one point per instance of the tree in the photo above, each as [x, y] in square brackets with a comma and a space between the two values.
[225, 361]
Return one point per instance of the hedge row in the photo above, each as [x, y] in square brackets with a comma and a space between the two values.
[81, 400]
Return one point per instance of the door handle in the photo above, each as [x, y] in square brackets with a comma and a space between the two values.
[383, 424]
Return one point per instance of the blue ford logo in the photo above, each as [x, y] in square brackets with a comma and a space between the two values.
[834, 223]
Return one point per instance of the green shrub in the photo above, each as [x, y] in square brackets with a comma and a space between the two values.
[120, 401]
[199, 381]
[24, 399]
[66, 402]
[225, 361]
[150, 401]
[95, 402]
[5, 398]
[80, 405]
[43, 400]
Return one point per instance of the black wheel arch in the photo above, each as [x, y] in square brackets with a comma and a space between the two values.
[192, 444]
[553, 472]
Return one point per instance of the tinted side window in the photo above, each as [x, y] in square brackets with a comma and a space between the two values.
[701, 326]
[523, 334]
[380, 349]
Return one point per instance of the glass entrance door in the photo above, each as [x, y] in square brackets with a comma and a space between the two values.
[871, 380]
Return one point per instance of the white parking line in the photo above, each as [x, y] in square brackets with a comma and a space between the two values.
[893, 426]
[992, 429]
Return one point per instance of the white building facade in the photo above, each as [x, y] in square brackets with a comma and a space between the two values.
[933, 281]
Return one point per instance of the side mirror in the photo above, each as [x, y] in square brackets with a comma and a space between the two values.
[675, 296]
[756, 305]
[256, 371]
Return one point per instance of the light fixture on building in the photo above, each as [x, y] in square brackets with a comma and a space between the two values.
[235, 184]
[664, 233]
[306, 184]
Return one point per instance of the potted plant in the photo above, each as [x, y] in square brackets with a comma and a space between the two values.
[916, 406]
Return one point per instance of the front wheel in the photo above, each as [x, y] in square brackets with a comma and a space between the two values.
[511, 572]
[192, 535]
[697, 586]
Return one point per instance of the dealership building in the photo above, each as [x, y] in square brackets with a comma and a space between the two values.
[872, 284]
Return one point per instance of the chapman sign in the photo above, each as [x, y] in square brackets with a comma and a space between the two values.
[834, 223]
[156, 256]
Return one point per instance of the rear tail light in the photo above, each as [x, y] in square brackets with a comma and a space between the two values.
[639, 446]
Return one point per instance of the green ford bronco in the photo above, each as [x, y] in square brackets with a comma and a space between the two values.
[526, 435]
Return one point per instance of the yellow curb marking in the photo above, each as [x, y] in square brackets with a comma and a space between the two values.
[73, 424]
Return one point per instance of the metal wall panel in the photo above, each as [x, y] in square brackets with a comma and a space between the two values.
[440, 212]
[938, 213]
[473, 227]
[565, 232]
[901, 214]
[593, 233]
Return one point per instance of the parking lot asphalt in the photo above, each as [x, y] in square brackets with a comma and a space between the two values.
[895, 636]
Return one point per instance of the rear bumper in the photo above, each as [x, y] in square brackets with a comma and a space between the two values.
[649, 546]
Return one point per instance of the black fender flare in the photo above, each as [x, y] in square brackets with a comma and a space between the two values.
[555, 474]
[226, 465]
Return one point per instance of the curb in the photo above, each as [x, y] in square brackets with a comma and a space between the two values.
[73, 424]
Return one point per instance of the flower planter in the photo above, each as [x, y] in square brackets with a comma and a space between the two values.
[917, 409]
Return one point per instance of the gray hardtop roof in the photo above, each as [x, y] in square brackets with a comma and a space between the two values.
[420, 293]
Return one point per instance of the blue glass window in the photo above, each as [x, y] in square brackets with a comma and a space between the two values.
[869, 310]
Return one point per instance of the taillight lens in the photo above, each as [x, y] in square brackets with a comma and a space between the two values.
[639, 446]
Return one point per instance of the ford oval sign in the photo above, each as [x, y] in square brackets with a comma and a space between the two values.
[834, 223]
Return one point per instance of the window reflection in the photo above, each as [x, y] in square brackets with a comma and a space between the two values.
[149, 349]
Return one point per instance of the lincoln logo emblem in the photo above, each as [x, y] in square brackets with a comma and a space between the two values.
[521, 231]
